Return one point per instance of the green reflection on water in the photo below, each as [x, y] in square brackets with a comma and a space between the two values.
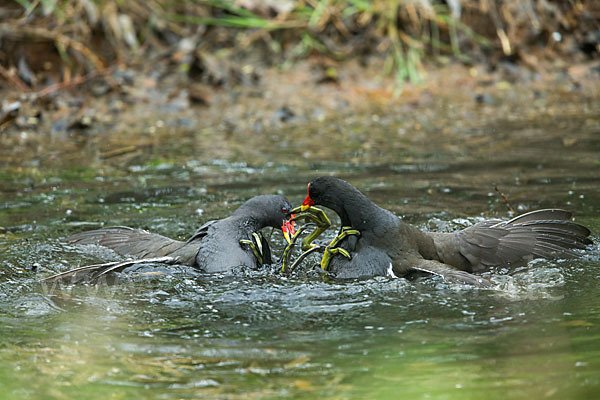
[179, 335]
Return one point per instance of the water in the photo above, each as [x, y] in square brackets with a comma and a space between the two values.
[168, 332]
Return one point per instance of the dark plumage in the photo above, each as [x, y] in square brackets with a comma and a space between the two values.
[215, 247]
[387, 245]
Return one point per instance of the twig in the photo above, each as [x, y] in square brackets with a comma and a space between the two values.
[504, 198]
[30, 9]
[13, 79]
[73, 82]
[118, 152]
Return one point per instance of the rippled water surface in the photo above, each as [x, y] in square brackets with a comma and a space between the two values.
[170, 333]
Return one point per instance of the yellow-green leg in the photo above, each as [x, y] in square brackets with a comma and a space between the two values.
[316, 216]
[332, 248]
[319, 218]
[256, 246]
[287, 252]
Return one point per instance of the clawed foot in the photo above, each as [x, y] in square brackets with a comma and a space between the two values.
[315, 216]
[256, 244]
[287, 252]
[302, 256]
[333, 249]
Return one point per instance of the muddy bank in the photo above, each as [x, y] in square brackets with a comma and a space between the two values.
[69, 72]
[144, 113]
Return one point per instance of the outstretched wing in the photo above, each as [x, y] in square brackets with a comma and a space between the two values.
[544, 233]
[450, 274]
[92, 273]
[138, 243]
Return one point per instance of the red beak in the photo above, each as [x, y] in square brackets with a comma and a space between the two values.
[308, 202]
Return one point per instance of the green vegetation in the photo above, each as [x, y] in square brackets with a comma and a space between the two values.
[90, 35]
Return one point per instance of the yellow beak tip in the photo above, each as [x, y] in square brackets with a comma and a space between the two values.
[304, 208]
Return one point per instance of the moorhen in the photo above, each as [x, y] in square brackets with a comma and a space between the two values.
[218, 246]
[374, 241]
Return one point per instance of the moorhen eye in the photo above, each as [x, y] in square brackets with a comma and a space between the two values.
[285, 210]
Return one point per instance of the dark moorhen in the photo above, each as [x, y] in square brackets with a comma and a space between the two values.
[377, 242]
[218, 246]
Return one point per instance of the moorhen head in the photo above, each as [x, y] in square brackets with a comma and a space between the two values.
[353, 207]
[269, 210]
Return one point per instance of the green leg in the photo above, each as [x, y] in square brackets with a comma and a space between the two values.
[303, 256]
[319, 218]
[287, 252]
[316, 216]
[332, 248]
[256, 246]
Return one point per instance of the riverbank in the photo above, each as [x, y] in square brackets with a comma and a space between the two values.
[142, 113]
[70, 71]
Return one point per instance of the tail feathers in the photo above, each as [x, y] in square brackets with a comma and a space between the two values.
[540, 215]
[559, 225]
[538, 234]
[137, 243]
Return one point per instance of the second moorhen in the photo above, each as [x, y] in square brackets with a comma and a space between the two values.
[374, 241]
[218, 246]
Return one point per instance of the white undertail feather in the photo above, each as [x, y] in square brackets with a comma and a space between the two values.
[390, 271]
